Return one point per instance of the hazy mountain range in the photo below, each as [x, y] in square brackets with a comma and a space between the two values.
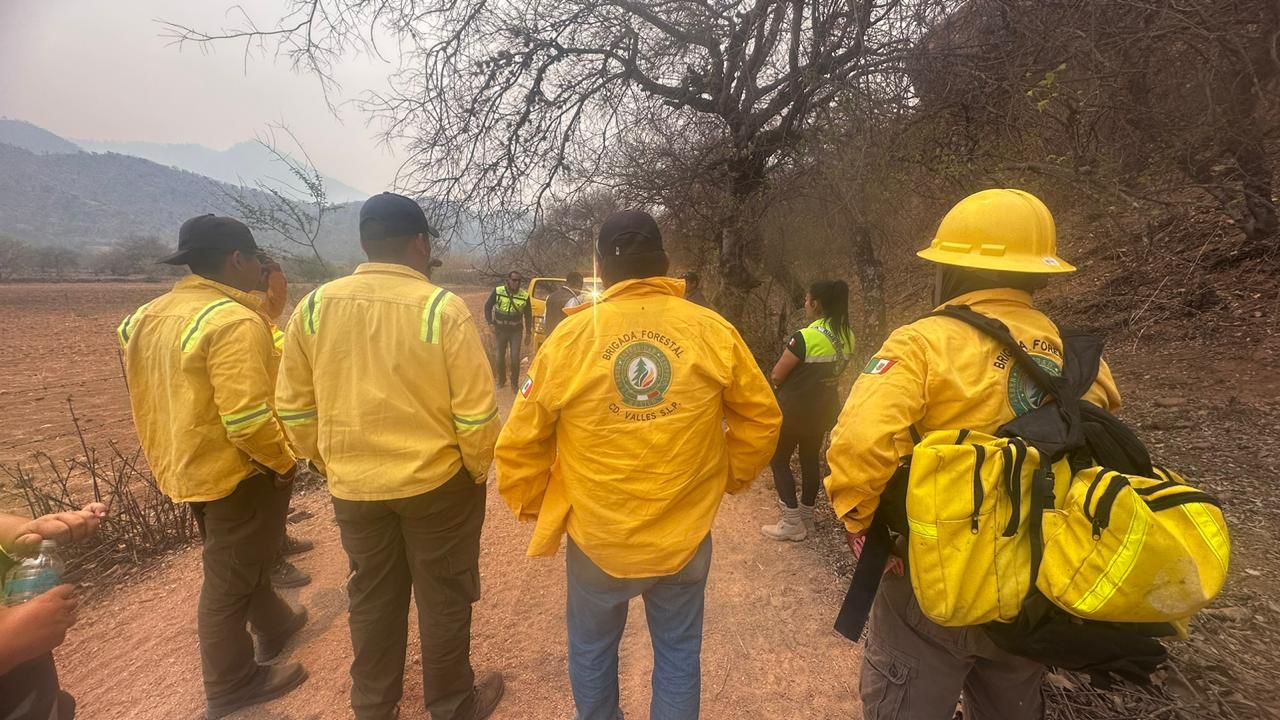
[56, 192]
[248, 163]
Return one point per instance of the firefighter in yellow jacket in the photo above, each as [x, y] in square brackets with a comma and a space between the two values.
[274, 296]
[639, 413]
[201, 368]
[385, 386]
[993, 249]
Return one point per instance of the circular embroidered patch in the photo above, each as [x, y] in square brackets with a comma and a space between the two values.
[1024, 394]
[642, 373]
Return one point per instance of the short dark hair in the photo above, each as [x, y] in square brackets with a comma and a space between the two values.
[573, 279]
[635, 267]
[379, 242]
[376, 231]
[386, 248]
[208, 262]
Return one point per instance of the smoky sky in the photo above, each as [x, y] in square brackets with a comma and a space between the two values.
[102, 70]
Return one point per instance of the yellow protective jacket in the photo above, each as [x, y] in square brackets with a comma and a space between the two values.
[638, 414]
[201, 368]
[939, 374]
[385, 385]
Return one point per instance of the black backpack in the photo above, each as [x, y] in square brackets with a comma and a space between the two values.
[1065, 425]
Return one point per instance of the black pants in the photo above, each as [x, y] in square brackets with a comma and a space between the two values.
[428, 544]
[784, 480]
[242, 534]
[509, 342]
[30, 692]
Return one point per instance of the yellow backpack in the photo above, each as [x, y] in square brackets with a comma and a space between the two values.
[1134, 549]
[968, 506]
[1058, 535]
[1115, 548]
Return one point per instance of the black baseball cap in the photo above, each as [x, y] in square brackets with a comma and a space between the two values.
[630, 232]
[211, 234]
[388, 215]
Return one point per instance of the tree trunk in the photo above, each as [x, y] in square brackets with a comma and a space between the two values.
[1260, 218]
[1243, 138]
[740, 240]
[871, 279]
[736, 280]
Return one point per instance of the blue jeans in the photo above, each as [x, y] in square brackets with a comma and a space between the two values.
[597, 615]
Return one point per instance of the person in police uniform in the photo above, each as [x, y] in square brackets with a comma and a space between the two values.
[806, 378]
[201, 365]
[385, 387]
[510, 313]
[639, 413]
[992, 250]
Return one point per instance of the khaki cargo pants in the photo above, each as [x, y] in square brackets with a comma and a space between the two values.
[428, 544]
[242, 534]
[915, 669]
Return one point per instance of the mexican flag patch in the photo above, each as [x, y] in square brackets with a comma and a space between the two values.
[526, 387]
[878, 366]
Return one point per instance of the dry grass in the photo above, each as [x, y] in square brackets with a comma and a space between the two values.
[141, 523]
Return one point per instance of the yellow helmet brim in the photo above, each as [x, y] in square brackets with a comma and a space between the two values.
[1047, 264]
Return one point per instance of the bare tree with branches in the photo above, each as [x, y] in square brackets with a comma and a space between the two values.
[503, 102]
[293, 208]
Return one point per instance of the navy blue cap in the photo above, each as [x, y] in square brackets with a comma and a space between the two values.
[630, 232]
[396, 216]
[211, 233]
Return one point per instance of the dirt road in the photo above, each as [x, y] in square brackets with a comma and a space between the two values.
[769, 649]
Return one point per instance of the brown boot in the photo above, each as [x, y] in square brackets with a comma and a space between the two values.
[269, 683]
[296, 546]
[287, 575]
[269, 647]
[489, 689]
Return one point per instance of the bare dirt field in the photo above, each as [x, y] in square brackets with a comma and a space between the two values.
[770, 650]
[58, 343]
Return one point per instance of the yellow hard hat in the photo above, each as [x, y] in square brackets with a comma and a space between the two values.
[1007, 230]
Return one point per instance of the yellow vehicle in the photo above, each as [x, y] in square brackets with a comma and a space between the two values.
[540, 288]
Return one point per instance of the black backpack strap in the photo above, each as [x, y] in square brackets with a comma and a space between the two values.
[856, 608]
[890, 516]
[1000, 332]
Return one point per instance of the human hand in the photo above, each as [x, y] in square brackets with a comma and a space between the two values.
[36, 627]
[857, 541]
[286, 479]
[65, 527]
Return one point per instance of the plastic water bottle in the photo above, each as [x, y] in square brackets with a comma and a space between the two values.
[34, 576]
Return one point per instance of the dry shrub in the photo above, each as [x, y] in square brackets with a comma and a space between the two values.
[142, 523]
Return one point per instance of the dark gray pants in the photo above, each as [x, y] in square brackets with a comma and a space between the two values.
[428, 544]
[915, 669]
[242, 534]
[509, 339]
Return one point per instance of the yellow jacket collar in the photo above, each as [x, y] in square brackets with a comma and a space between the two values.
[628, 289]
[644, 287]
[249, 300]
[1009, 295]
[389, 269]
